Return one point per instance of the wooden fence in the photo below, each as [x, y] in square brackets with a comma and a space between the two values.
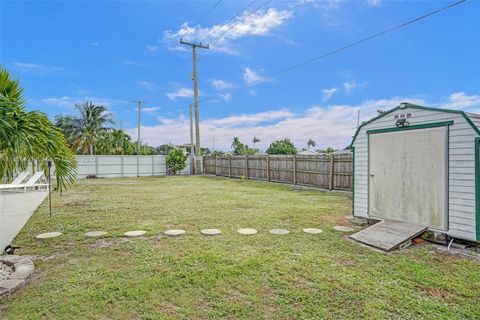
[333, 172]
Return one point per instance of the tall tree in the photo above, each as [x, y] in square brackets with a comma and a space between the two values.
[255, 140]
[115, 142]
[239, 148]
[311, 143]
[85, 130]
[28, 138]
[284, 146]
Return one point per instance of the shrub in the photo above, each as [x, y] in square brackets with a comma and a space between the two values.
[282, 147]
[176, 160]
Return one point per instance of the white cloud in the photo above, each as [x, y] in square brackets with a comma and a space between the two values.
[94, 43]
[152, 49]
[131, 63]
[59, 102]
[38, 69]
[349, 86]
[226, 97]
[328, 93]
[259, 23]
[148, 85]
[180, 93]
[69, 102]
[251, 77]
[460, 100]
[374, 3]
[332, 125]
[221, 84]
[150, 109]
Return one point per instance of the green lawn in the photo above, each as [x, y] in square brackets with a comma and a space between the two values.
[296, 276]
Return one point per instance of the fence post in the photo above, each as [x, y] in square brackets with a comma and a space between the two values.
[121, 166]
[153, 170]
[96, 166]
[230, 165]
[268, 167]
[216, 165]
[294, 169]
[246, 166]
[330, 184]
[138, 167]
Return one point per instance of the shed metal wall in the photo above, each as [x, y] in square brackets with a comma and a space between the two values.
[461, 167]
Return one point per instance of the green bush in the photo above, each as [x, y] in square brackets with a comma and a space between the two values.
[176, 160]
[282, 147]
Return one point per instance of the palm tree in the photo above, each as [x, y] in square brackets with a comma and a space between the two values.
[311, 143]
[29, 138]
[115, 142]
[84, 132]
[255, 140]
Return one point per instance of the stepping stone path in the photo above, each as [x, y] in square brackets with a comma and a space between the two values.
[93, 234]
[17, 270]
[48, 235]
[312, 230]
[343, 229]
[279, 231]
[247, 231]
[135, 233]
[211, 232]
[175, 232]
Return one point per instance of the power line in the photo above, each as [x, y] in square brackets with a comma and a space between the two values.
[208, 11]
[238, 21]
[234, 16]
[329, 53]
[204, 15]
[348, 46]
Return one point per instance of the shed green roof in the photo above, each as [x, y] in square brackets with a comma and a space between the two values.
[405, 105]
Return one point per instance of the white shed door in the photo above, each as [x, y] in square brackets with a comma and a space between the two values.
[407, 180]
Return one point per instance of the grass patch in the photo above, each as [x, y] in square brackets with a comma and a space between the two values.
[296, 276]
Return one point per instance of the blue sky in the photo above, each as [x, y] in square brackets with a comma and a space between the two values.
[113, 52]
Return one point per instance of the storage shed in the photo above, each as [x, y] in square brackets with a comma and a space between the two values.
[421, 165]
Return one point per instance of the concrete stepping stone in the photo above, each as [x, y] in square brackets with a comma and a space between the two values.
[279, 231]
[312, 230]
[175, 232]
[343, 229]
[211, 232]
[135, 233]
[48, 235]
[247, 231]
[93, 234]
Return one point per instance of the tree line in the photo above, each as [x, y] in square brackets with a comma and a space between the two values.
[283, 146]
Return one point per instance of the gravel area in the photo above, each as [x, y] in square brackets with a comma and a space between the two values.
[5, 271]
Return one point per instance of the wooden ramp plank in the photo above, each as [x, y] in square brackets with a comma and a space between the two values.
[388, 234]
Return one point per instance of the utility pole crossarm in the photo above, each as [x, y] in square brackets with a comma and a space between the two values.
[191, 44]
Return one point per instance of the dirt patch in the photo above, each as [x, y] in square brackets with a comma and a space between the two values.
[5, 271]
[74, 203]
[439, 294]
[347, 262]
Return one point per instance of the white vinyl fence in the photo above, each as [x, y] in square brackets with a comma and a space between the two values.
[109, 166]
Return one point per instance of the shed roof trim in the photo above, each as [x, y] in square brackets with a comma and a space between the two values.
[414, 106]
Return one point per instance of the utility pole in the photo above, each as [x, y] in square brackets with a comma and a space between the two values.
[358, 118]
[192, 148]
[195, 90]
[213, 144]
[139, 102]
